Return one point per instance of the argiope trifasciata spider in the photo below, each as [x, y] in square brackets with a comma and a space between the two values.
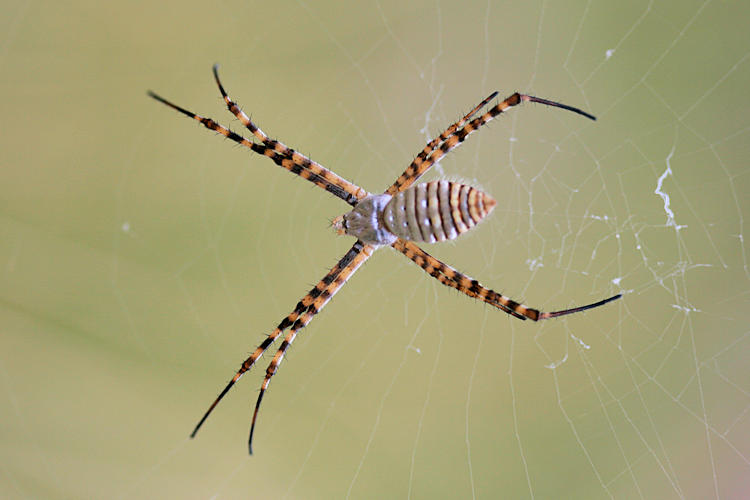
[403, 214]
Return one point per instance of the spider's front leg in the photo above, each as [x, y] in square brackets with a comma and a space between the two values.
[277, 151]
[361, 252]
[306, 308]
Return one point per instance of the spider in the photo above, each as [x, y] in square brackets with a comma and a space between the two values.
[404, 214]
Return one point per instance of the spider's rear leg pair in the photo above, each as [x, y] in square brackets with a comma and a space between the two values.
[432, 211]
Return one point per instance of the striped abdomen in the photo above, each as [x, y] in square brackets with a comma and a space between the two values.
[436, 211]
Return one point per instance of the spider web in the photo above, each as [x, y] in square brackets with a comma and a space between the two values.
[144, 258]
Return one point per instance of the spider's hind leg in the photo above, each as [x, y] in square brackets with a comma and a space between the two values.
[417, 166]
[448, 276]
[457, 133]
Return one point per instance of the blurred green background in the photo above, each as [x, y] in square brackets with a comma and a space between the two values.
[142, 257]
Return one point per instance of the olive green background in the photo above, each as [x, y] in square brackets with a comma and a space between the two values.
[142, 257]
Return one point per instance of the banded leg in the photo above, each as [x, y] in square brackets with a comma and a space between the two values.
[455, 279]
[303, 307]
[299, 159]
[324, 178]
[364, 252]
[404, 181]
[418, 168]
[471, 287]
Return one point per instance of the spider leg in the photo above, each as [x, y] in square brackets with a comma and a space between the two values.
[448, 276]
[322, 178]
[419, 166]
[557, 314]
[302, 161]
[303, 306]
[406, 180]
[471, 287]
[362, 253]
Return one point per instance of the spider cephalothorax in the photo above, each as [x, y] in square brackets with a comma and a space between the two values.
[433, 211]
[365, 221]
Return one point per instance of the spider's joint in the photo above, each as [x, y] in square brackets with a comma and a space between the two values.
[339, 225]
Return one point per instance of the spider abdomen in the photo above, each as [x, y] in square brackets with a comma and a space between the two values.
[436, 211]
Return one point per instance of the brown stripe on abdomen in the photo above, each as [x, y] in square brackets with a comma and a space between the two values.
[436, 211]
